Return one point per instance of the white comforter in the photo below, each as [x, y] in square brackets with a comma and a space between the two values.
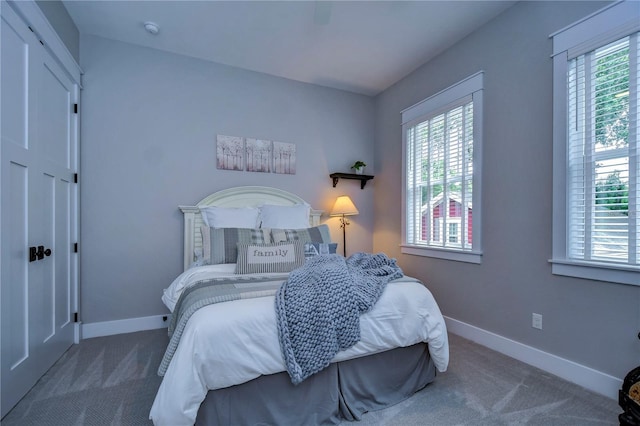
[230, 343]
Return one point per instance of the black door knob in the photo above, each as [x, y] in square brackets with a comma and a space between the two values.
[41, 253]
[38, 253]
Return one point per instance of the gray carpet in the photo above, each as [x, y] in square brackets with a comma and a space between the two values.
[112, 381]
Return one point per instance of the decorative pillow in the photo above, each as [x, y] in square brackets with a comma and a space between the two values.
[315, 249]
[230, 217]
[291, 217]
[264, 258]
[220, 245]
[318, 234]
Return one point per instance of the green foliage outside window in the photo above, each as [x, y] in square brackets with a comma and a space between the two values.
[613, 193]
[612, 122]
[612, 99]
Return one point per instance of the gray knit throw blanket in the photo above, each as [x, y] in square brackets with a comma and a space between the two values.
[318, 308]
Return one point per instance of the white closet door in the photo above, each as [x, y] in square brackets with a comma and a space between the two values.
[38, 198]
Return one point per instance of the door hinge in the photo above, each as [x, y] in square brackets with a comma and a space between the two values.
[75, 247]
[75, 178]
[75, 108]
[75, 317]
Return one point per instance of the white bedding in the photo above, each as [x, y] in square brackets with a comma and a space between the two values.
[230, 343]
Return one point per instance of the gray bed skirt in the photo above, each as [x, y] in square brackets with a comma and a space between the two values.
[344, 390]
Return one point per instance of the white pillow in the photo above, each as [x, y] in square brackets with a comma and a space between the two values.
[289, 217]
[230, 217]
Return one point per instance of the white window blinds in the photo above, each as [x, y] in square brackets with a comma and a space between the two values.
[439, 149]
[603, 172]
[442, 161]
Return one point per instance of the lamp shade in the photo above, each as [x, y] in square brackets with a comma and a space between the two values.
[344, 206]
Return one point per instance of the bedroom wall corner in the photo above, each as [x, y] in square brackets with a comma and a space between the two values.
[62, 23]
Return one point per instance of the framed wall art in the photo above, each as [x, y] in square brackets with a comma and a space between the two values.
[259, 155]
[230, 152]
[284, 158]
[255, 155]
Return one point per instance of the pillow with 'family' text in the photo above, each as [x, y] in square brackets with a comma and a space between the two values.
[254, 258]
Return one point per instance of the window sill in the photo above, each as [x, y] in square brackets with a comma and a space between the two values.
[596, 271]
[455, 255]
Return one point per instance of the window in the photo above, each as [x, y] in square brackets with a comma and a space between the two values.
[442, 150]
[453, 232]
[596, 146]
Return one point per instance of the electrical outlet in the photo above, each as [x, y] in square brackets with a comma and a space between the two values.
[536, 321]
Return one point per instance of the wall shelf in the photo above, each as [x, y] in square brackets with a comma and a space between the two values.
[362, 178]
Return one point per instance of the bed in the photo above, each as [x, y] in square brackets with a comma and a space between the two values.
[228, 368]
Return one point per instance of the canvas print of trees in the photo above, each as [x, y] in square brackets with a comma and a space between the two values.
[284, 158]
[255, 155]
[230, 152]
[259, 155]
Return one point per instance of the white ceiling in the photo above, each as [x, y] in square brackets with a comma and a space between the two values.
[359, 46]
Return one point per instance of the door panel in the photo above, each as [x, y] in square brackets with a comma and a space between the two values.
[15, 342]
[62, 255]
[46, 327]
[16, 168]
[54, 133]
[38, 208]
[54, 104]
[14, 85]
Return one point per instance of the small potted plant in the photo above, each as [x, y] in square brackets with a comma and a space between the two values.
[359, 166]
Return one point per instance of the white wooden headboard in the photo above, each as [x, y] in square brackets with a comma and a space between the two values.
[242, 196]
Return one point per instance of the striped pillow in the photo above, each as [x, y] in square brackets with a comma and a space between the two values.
[317, 234]
[220, 245]
[265, 258]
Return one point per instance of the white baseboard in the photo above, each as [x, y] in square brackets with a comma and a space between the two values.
[586, 377]
[77, 332]
[130, 325]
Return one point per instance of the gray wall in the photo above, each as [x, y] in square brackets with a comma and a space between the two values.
[592, 323]
[62, 23]
[149, 123]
